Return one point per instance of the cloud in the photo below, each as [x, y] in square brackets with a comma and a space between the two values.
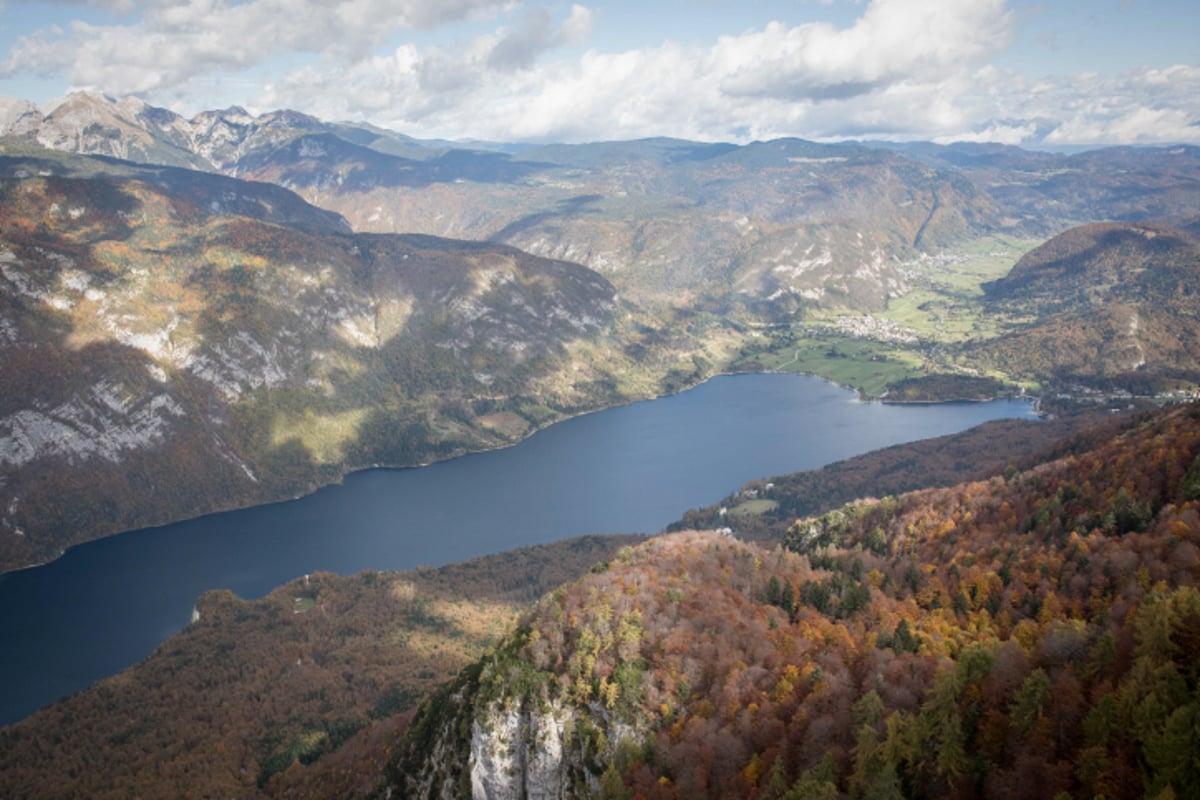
[422, 14]
[1141, 106]
[1001, 132]
[172, 43]
[417, 86]
[896, 62]
[535, 35]
[893, 41]
[903, 69]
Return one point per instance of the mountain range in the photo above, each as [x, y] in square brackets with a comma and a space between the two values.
[233, 286]
[234, 308]
[1107, 304]
[772, 226]
[230, 287]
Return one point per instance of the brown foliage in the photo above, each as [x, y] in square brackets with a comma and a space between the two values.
[1013, 637]
[322, 672]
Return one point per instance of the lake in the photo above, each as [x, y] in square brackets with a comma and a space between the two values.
[107, 604]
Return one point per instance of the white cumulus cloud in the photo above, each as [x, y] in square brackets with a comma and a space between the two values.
[170, 43]
[811, 79]
[894, 41]
[526, 70]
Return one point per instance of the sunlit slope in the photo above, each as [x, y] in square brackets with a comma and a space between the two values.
[173, 342]
[1111, 305]
[323, 671]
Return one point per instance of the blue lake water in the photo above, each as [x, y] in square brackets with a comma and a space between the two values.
[106, 605]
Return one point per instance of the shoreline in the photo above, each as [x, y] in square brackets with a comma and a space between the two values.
[534, 429]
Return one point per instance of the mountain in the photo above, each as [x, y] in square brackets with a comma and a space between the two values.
[1049, 192]
[324, 669]
[18, 117]
[1110, 304]
[1030, 636]
[763, 510]
[148, 307]
[175, 342]
[131, 130]
[126, 129]
[223, 709]
[766, 228]
[773, 225]
[759, 253]
[215, 140]
[234, 308]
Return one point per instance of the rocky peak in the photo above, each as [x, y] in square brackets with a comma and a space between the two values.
[126, 128]
[129, 128]
[18, 116]
[87, 108]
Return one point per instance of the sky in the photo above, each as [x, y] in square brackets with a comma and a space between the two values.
[1026, 72]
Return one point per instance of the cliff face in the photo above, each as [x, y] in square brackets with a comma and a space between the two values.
[541, 753]
[503, 730]
[517, 755]
[581, 690]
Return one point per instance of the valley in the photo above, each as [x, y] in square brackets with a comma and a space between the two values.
[230, 309]
[259, 349]
[239, 650]
[108, 604]
[261, 329]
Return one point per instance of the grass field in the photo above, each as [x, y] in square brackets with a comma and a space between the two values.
[752, 508]
[941, 310]
[861, 364]
[943, 304]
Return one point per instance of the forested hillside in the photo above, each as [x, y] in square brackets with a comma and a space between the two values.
[170, 721]
[1111, 305]
[1023, 635]
[763, 510]
[300, 693]
[1035, 636]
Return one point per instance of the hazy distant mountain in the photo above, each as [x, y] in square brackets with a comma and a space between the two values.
[1050, 193]
[763, 229]
[18, 116]
[768, 228]
[773, 225]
